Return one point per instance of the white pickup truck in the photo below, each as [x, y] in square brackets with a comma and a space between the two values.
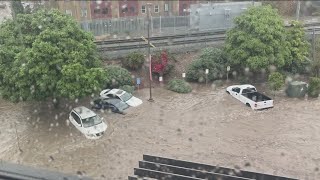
[248, 95]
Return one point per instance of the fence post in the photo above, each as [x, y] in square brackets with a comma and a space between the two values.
[151, 25]
[174, 24]
[160, 25]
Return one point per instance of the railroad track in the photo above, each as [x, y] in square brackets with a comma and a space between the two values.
[158, 38]
[173, 40]
[162, 44]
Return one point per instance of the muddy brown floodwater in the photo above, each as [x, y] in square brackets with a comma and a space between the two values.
[206, 126]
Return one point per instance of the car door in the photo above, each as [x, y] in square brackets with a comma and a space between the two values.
[236, 92]
[75, 120]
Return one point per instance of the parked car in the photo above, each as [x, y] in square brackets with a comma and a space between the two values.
[115, 104]
[87, 122]
[248, 95]
[122, 95]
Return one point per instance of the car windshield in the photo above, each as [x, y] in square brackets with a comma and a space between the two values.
[126, 96]
[91, 121]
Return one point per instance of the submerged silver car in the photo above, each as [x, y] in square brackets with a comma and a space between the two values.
[114, 104]
[87, 122]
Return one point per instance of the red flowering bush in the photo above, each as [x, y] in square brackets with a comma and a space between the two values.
[160, 63]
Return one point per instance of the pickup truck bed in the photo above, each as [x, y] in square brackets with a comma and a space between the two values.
[256, 96]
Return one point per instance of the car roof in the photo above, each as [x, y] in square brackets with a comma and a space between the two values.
[84, 112]
[243, 86]
[118, 92]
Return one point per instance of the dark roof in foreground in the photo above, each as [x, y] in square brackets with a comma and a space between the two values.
[165, 168]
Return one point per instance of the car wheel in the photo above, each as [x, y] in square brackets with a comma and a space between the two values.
[228, 92]
[248, 105]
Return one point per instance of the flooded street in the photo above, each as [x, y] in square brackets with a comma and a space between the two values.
[207, 126]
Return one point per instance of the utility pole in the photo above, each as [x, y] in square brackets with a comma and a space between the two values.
[149, 55]
[313, 44]
[298, 10]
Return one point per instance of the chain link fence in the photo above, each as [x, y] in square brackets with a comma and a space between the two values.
[137, 26]
[199, 17]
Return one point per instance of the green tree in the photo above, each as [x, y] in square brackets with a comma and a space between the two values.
[276, 81]
[210, 58]
[16, 8]
[257, 39]
[117, 76]
[315, 63]
[52, 58]
[298, 47]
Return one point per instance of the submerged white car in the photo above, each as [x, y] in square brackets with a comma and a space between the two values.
[249, 95]
[122, 95]
[87, 122]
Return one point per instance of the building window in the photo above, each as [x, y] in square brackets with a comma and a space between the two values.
[143, 9]
[124, 10]
[105, 11]
[84, 13]
[184, 6]
[69, 12]
[132, 9]
[227, 13]
[166, 7]
[97, 11]
[156, 8]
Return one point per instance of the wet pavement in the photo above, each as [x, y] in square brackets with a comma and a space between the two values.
[207, 126]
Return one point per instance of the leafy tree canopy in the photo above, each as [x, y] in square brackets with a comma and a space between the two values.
[298, 47]
[17, 8]
[258, 39]
[117, 76]
[46, 54]
[276, 81]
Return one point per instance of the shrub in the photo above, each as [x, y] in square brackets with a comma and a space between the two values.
[133, 61]
[179, 86]
[212, 59]
[276, 81]
[314, 87]
[244, 80]
[117, 76]
[128, 88]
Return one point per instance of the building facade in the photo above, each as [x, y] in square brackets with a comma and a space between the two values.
[106, 9]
